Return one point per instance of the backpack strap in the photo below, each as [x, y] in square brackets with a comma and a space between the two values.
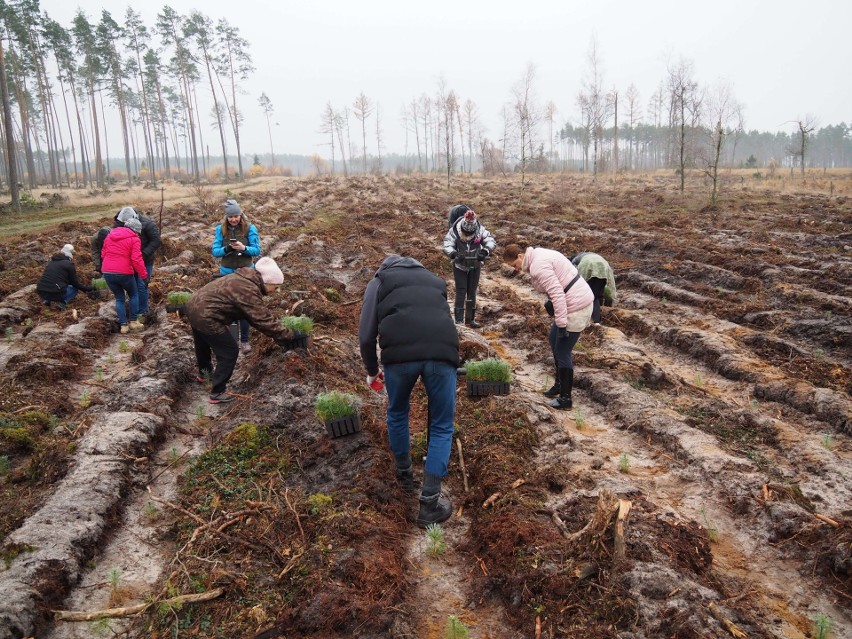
[571, 283]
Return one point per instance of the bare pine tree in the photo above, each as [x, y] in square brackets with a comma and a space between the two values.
[634, 114]
[721, 114]
[805, 126]
[266, 104]
[684, 112]
[363, 108]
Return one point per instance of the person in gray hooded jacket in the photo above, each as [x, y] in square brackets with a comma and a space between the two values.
[468, 244]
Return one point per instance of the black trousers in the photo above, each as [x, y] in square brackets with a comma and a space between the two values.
[226, 350]
[466, 284]
[597, 285]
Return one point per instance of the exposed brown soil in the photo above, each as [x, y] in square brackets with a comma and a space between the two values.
[714, 399]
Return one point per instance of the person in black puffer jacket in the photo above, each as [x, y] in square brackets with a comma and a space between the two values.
[405, 308]
[58, 283]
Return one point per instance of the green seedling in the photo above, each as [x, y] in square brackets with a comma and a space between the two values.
[114, 577]
[99, 284]
[110, 359]
[85, 399]
[301, 323]
[579, 419]
[435, 538]
[624, 463]
[199, 412]
[28, 323]
[828, 441]
[151, 512]
[699, 380]
[99, 374]
[456, 629]
[336, 405]
[4, 465]
[177, 298]
[123, 347]
[101, 628]
[488, 370]
[174, 455]
[10, 333]
[712, 531]
[822, 626]
[318, 503]
[819, 353]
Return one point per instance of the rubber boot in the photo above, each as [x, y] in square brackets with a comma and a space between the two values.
[459, 314]
[553, 391]
[405, 473]
[434, 507]
[470, 314]
[566, 382]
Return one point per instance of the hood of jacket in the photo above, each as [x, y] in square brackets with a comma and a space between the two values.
[398, 261]
[59, 256]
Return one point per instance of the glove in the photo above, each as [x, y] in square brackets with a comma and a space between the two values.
[561, 333]
[607, 302]
[548, 306]
[93, 294]
[377, 381]
[482, 255]
[293, 342]
[453, 255]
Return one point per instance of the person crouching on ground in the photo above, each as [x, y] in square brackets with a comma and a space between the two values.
[123, 266]
[570, 303]
[405, 308]
[599, 276]
[468, 244]
[216, 305]
[236, 243]
[58, 283]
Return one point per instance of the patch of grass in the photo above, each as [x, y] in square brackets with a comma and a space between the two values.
[177, 298]
[436, 546]
[624, 463]
[488, 370]
[301, 323]
[11, 551]
[456, 629]
[336, 405]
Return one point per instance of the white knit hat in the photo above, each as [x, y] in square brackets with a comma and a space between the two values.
[68, 249]
[127, 213]
[269, 271]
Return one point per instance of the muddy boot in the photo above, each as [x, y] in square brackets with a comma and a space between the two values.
[459, 314]
[434, 507]
[405, 473]
[566, 382]
[470, 315]
[553, 391]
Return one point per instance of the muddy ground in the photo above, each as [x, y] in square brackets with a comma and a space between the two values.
[700, 487]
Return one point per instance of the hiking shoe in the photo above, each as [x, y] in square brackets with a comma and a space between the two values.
[405, 477]
[245, 347]
[137, 326]
[125, 328]
[221, 398]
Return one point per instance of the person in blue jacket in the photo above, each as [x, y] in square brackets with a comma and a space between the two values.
[237, 243]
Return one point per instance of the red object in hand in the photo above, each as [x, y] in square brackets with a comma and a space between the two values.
[378, 384]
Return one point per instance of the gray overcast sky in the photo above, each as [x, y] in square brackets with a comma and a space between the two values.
[784, 59]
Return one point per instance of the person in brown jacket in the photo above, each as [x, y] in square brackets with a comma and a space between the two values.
[213, 308]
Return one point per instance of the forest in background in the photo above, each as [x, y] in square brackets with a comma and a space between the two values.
[113, 100]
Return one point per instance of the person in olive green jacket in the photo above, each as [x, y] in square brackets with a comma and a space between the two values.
[599, 276]
[212, 309]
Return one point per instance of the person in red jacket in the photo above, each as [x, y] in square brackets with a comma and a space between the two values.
[121, 263]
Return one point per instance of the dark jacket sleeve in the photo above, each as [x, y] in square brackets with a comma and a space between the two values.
[368, 327]
[150, 240]
[72, 278]
[97, 245]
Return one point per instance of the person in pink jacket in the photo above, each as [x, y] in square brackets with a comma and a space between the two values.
[121, 262]
[570, 304]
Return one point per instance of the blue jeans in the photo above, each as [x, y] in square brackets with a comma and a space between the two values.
[119, 285]
[142, 289]
[562, 348]
[63, 297]
[439, 378]
[70, 294]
